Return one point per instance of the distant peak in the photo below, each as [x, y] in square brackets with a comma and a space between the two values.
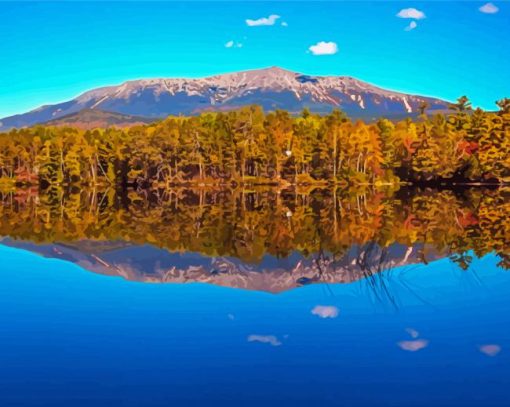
[271, 70]
[278, 69]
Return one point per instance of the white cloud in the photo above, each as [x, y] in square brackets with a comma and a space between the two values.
[324, 48]
[232, 44]
[490, 350]
[413, 346]
[325, 311]
[271, 20]
[271, 339]
[412, 25]
[411, 13]
[489, 8]
[284, 24]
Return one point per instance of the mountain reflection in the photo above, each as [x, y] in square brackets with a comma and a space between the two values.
[261, 239]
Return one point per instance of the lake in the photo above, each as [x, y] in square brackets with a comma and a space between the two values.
[305, 297]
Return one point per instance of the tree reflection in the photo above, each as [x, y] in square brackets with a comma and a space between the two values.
[249, 223]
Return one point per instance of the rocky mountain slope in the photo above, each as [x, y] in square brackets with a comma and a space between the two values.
[272, 88]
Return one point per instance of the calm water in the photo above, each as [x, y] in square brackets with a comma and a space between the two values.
[305, 299]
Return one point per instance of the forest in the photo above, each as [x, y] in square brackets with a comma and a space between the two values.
[249, 147]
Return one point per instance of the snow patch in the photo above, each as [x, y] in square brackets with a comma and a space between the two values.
[361, 102]
[407, 254]
[168, 87]
[99, 101]
[407, 105]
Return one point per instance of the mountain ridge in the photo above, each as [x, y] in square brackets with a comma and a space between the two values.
[88, 119]
[272, 88]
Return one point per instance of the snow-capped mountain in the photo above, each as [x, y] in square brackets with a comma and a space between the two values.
[272, 88]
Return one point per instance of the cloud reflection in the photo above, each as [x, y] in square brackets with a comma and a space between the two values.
[325, 311]
[412, 332]
[413, 346]
[490, 350]
[270, 339]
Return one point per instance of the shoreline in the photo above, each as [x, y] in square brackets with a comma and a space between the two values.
[17, 186]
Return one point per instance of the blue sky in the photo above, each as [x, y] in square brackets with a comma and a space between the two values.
[51, 52]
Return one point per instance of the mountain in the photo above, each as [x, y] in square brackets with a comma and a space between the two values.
[149, 264]
[94, 118]
[272, 88]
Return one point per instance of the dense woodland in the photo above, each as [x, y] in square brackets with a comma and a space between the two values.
[249, 224]
[248, 146]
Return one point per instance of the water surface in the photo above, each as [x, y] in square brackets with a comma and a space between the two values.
[404, 301]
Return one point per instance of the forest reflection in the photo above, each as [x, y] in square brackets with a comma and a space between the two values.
[250, 224]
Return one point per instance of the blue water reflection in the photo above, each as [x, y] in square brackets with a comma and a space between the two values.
[423, 335]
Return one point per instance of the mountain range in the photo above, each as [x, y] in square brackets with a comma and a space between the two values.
[272, 88]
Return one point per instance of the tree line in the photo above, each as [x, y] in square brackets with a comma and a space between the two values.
[250, 146]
